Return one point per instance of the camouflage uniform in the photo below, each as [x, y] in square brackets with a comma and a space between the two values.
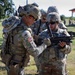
[19, 43]
[53, 59]
[40, 25]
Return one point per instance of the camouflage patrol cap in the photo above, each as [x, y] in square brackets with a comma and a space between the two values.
[53, 17]
[32, 10]
[52, 9]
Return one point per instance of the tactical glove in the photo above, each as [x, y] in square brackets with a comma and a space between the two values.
[47, 41]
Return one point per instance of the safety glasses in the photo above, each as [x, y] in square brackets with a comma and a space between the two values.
[52, 23]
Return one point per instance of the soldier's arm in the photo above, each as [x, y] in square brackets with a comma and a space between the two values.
[67, 48]
[30, 45]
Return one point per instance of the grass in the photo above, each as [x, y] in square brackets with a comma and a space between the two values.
[71, 63]
[31, 69]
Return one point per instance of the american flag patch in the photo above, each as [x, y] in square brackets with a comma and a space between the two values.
[30, 39]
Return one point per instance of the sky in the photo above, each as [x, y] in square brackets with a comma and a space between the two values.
[63, 6]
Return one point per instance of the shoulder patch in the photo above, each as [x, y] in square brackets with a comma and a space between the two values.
[30, 39]
[27, 35]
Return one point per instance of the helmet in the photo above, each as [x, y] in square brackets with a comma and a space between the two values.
[43, 12]
[21, 9]
[53, 17]
[35, 4]
[31, 10]
[52, 9]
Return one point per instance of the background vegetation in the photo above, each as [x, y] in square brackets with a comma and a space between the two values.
[6, 8]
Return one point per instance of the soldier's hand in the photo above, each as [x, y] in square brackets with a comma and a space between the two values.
[62, 44]
[47, 41]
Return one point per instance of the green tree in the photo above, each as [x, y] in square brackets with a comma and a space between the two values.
[6, 8]
[62, 17]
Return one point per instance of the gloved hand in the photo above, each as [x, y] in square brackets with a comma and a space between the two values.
[47, 41]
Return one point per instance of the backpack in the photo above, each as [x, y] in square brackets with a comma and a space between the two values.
[8, 26]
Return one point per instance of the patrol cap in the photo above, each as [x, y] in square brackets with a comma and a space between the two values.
[53, 17]
[52, 9]
[30, 10]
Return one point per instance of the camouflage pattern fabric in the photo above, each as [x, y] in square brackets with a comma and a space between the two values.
[53, 60]
[36, 25]
[20, 46]
[52, 9]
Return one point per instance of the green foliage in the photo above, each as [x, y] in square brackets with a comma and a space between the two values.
[62, 17]
[6, 9]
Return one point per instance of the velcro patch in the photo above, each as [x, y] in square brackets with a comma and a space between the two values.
[30, 39]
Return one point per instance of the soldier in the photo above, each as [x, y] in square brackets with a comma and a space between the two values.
[54, 9]
[26, 7]
[39, 25]
[53, 59]
[18, 41]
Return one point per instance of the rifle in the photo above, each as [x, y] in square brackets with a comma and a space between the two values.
[56, 40]
[72, 34]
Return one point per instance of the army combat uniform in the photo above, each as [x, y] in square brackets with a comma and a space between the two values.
[18, 41]
[53, 59]
[21, 43]
[38, 27]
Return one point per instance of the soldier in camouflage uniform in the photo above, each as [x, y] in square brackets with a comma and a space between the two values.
[18, 41]
[54, 9]
[53, 59]
[39, 25]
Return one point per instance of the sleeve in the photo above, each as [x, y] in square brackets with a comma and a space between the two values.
[62, 25]
[30, 45]
[67, 48]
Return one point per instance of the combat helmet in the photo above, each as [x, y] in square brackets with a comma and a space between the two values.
[23, 8]
[43, 12]
[35, 4]
[53, 17]
[52, 9]
[30, 10]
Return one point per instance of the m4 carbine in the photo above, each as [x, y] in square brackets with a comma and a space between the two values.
[56, 40]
